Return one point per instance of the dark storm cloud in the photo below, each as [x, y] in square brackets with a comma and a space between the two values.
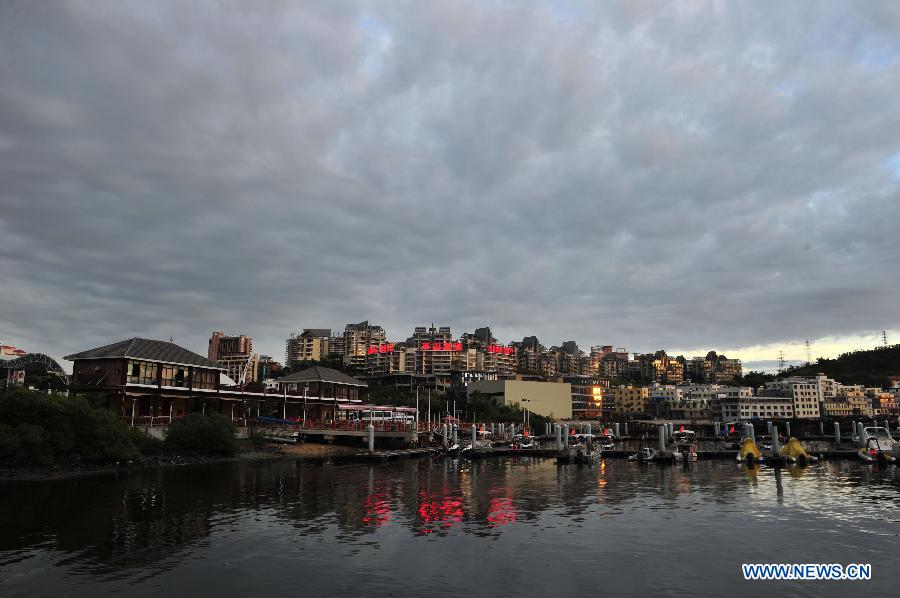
[642, 174]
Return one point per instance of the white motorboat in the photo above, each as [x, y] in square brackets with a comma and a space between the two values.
[684, 447]
[879, 446]
[582, 450]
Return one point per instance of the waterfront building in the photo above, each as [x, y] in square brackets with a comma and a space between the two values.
[309, 345]
[805, 393]
[146, 378]
[549, 399]
[588, 393]
[150, 382]
[235, 354]
[743, 408]
[629, 400]
[883, 402]
[322, 389]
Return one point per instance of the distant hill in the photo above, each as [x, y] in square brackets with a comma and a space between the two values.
[872, 367]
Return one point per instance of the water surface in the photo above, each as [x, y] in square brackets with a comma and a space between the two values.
[497, 527]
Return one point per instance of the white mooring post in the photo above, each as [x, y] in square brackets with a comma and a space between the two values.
[474, 436]
[661, 433]
[787, 429]
[454, 433]
[558, 432]
[752, 432]
[853, 430]
[769, 428]
[716, 429]
[821, 428]
[444, 433]
[861, 434]
[775, 447]
[371, 430]
[565, 436]
[616, 429]
[837, 433]
[589, 429]
[626, 429]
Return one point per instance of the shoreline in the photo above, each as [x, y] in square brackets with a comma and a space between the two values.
[313, 452]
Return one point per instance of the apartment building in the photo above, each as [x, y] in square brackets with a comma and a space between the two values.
[235, 354]
[743, 408]
[629, 400]
[806, 394]
[357, 340]
[309, 345]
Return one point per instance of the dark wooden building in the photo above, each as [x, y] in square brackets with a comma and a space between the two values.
[150, 382]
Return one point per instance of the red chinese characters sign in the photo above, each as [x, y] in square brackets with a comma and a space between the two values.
[385, 348]
[501, 349]
[441, 346]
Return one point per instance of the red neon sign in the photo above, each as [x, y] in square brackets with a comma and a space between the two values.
[385, 348]
[501, 349]
[441, 346]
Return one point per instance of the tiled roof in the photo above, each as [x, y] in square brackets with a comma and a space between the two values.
[147, 350]
[320, 374]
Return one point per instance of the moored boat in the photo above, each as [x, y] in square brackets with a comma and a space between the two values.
[749, 452]
[684, 447]
[582, 451]
[879, 446]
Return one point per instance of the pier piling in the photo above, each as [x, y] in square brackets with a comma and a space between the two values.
[371, 430]
[661, 433]
[787, 429]
[616, 429]
[775, 447]
[837, 433]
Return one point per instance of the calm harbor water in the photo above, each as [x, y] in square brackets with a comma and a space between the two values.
[500, 527]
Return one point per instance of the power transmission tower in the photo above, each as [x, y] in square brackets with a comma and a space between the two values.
[884, 338]
[780, 362]
[808, 356]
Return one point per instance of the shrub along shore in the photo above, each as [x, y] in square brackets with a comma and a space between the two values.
[48, 435]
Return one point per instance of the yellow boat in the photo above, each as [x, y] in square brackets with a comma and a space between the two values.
[749, 453]
[793, 452]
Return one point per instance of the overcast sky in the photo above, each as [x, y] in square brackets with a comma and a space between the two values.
[688, 176]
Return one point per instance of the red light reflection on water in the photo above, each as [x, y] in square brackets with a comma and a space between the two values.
[502, 511]
[439, 511]
[377, 509]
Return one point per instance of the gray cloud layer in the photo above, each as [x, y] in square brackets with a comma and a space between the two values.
[642, 174]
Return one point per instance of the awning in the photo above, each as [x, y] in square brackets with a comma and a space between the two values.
[355, 407]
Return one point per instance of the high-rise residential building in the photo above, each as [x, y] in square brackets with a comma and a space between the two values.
[309, 345]
[357, 340]
[235, 354]
[435, 350]
[336, 345]
[713, 369]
